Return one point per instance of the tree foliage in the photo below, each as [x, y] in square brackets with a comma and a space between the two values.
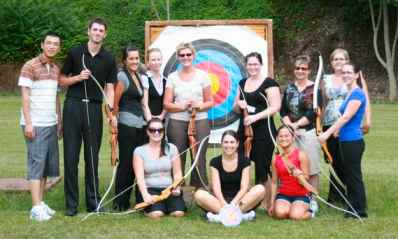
[24, 22]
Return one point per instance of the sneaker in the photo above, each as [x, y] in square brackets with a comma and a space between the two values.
[312, 213]
[211, 217]
[314, 206]
[249, 216]
[38, 213]
[49, 210]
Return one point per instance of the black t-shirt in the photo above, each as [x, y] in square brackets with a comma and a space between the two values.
[255, 100]
[230, 181]
[102, 66]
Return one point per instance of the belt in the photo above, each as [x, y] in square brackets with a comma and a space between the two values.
[92, 101]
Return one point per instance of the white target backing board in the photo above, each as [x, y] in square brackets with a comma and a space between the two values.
[220, 50]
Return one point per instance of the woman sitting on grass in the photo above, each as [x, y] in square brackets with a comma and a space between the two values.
[156, 164]
[289, 198]
[230, 175]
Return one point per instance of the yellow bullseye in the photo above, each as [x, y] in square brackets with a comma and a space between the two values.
[215, 83]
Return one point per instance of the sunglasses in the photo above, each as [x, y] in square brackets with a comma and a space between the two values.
[298, 68]
[155, 130]
[339, 59]
[185, 55]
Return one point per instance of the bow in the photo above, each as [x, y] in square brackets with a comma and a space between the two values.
[318, 124]
[192, 132]
[300, 176]
[367, 123]
[248, 130]
[168, 191]
[293, 170]
[289, 166]
[113, 132]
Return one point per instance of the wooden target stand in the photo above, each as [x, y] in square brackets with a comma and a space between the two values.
[22, 185]
[262, 27]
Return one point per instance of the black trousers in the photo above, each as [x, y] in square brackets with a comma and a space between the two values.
[78, 127]
[129, 138]
[352, 152]
[335, 151]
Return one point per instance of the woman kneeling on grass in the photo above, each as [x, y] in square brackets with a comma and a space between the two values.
[230, 176]
[156, 164]
[289, 198]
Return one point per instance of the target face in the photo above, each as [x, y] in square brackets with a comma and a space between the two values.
[224, 66]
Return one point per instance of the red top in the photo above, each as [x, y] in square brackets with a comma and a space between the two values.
[289, 185]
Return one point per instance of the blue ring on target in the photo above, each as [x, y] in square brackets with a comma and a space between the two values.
[225, 63]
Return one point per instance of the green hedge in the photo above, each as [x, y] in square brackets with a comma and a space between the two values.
[25, 21]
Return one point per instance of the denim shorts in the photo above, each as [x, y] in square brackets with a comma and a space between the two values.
[43, 155]
[292, 199]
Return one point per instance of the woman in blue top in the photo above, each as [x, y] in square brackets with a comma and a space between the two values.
[348, 128]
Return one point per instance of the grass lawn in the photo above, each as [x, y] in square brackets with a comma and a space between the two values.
[379, 167]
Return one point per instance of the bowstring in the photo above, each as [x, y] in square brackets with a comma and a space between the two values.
[90, 133]
[92, 163]
[135, 183]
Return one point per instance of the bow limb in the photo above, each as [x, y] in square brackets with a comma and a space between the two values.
[297, 173]
[317, 109]
[248, 130]
[113, 131]
[318, 130]
[113, 139]
[368, 114]
[192, 132]
[163, 195]
[329, 158]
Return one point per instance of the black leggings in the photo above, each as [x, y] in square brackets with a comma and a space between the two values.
[128, 138]
[352, 152]
[335, 151]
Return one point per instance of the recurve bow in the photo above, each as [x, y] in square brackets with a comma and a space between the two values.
[248, 130]
[318, 124]
[192, 132]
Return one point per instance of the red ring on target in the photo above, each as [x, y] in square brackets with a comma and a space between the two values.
[220, 80]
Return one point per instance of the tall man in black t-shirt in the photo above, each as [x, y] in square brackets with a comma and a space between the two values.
[84, 65]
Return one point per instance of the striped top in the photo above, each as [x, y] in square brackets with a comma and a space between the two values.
[41, 76]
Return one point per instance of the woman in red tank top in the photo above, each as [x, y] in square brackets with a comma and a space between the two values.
[289, 198]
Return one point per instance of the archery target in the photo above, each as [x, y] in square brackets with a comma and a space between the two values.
[220, 52]
[223, 64]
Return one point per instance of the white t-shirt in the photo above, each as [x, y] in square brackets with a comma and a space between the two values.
[188, 90]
